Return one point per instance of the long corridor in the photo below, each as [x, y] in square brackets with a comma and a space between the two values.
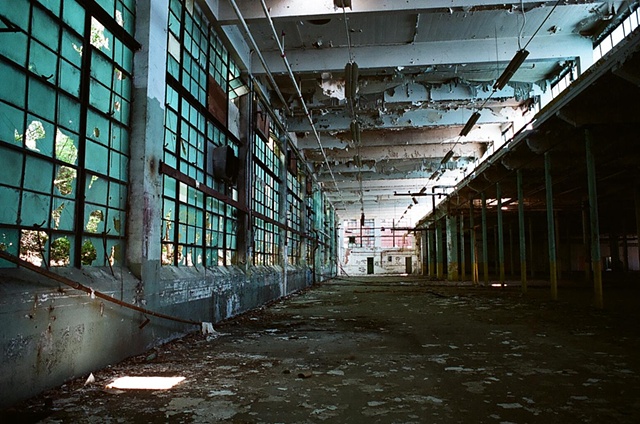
[383, 350]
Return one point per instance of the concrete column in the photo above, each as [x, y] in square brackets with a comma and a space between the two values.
[501, 275]
[551, 231]
[521, 232]
[472, 243]
[424, 242]
[512, 266]
[462, 255]
[596, 262]
[485, 245]
[245, 175]
[433, 255]
[147, 132]
[439, 251]
[452, 248]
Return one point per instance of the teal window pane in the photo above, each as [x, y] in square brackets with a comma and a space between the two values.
[69, 113]
[35, 209]
[100, 96]
[14, 46]
[44, 28]
[42, 61]
[9, 240]
[38, 175]
[117, 195]
[63, 214]
[65, 181]
[71, 48]
[69, 78]
[13, 85]
[39, 136]
[42, 99]
[11, 124]
[97, 128]
[115, 222]
[11, 169]
[96, 157]
[52, 5]
[96, 190]
[101, 68]
[9, 211]
[73, 15]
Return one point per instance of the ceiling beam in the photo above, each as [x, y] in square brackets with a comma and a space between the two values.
[317, 9]
[398, 151]
[341, 120]
[427, 54]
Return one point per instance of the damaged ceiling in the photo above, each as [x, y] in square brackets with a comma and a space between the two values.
[423, 69]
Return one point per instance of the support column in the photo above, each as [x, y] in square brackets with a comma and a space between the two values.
[147, 125]
[637, 205]
[586, 240]
[472, 243]
[625, 249]
[485, 247]
[433, 255]
[452, 248]
[521, 232]
[531, 260]
[596, 262]
[424, 237]
[501, 275]
[512, 267]
[439, 251]
[551, 231]
[462, 255]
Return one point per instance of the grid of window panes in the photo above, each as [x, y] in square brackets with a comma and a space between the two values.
[61, 143]
[294, 217]
[265, 200]
[266, 238]
[309, 225]
[197, 228]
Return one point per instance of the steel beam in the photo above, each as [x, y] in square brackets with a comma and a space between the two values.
[434, 53]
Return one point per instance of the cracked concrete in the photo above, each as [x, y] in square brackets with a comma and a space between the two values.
[384, 350]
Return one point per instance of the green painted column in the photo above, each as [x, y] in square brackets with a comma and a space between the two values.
[429, 252]
[596, 262]
[439, 251]
[500, 234]
[551, 231]
[472, 245]
[531, 260]
[485, 247]
[586, 240]
[463, 259]
[452, 248]
[521, 232]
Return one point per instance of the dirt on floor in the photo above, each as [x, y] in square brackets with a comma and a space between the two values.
[384, 350]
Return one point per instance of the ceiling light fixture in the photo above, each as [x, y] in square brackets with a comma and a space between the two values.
[511, 69]
[473, 119]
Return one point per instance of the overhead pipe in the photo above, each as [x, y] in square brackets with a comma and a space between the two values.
[295, 84]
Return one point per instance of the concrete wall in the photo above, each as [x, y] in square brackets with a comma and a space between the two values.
[53, 333]
[355, 261]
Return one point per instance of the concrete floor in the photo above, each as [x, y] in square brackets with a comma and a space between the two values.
[385, 350]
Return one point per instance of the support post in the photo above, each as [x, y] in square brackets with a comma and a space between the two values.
[586, 240]
[500, 234]
[521, 231]
[452, 247]
[439, 251]
[531, 261]
[485, 247]
[463, 259]
[551, 231]
[596, 263]
[472, 245]
[637, 206]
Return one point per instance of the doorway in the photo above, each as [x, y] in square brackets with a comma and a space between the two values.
[369, 265]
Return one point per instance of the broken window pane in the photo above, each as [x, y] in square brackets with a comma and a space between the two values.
[33, 246]
[95, 220]
[60, 252]
[88, 252]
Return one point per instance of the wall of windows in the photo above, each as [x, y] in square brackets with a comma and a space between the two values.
[200, 206]
[267, 168]
[64, 130]
[295, 211]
